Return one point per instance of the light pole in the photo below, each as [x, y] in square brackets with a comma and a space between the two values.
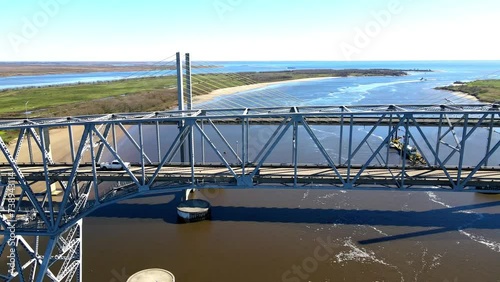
[26, 109]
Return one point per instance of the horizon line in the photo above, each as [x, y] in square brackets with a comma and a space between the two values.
[261, 60]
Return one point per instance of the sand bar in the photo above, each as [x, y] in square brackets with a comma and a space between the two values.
[237, 89]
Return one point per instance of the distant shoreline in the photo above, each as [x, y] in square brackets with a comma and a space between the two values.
[34, 69]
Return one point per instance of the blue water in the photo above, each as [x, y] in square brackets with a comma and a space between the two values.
[415, 88]
[443, 71]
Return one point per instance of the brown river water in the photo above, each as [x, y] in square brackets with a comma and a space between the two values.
[300, 235]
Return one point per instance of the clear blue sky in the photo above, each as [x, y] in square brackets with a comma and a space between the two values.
[114, 30]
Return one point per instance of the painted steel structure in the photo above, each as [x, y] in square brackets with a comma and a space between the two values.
[42, 231]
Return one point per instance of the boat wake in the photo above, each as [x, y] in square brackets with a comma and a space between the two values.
[492, 245]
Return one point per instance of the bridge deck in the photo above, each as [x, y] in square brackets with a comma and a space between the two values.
[366, 121]
[320, 175]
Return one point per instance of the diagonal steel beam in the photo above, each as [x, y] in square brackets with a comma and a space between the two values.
[479, 165]
[382, 144]
[179, 139]
[264, 148]
[47, 179]
[224, 140]
[271, 148]
[38, 141]
[441, 164]
[19, 143]
[221, 157]
[79, 155]
[23, 183]
[116, 156]
[133, 141]
[368, 135]
[322, 150]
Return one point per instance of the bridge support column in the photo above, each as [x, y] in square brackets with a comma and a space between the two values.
[43, 258]
[188, 192]
[180, 98]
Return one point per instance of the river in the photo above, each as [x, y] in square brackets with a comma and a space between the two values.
[312, 235]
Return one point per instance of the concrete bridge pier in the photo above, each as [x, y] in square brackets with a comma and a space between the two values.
[188, 192]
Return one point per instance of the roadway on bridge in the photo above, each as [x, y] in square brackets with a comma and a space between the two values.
[320, 175]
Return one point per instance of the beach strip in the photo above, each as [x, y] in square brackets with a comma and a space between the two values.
[237, 89]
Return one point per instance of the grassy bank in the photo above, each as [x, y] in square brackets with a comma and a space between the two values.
[484, 90]
[81, 98]
[144, 94]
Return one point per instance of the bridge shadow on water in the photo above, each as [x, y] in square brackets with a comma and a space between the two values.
[438, 220]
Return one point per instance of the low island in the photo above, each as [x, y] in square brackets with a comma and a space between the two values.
[484, 90]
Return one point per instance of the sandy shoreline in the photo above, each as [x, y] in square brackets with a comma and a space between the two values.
[233, 90]
[462, 95]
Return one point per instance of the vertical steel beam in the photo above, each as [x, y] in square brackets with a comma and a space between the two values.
[202, 142]
[243, 146]
[141, 145]
[180, 83]
[341, 134]
[47, 258]
[180, 98]
[389, 142]
[158, 139]
[189, 83]
[93, 160]
[349, 156]
[462, 151]
[30, 148]
[191, 149]
[79, 273]
[438, 141]
[113, 128]
[189, 89]
[405, 149]
[246, 142]
[490, 135]
[48, 191]
[295, 148]
[71, 143]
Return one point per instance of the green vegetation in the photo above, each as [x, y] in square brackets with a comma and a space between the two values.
[484, 90]
[47, 101]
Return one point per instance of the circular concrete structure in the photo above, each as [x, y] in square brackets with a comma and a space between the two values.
[152, 275]
[193, 210]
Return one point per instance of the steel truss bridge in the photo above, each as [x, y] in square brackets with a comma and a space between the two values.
[44, 199]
